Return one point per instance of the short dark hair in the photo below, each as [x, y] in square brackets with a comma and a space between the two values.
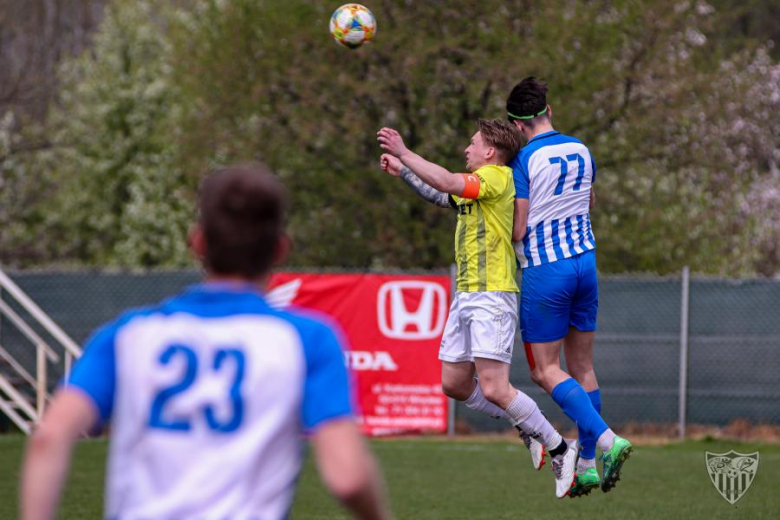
[502, 136]
[243, 210]
[527, 100]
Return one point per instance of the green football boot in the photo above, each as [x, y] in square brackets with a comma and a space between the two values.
[613, 460]
[585, 482]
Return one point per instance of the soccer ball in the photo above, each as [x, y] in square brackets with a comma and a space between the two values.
[352, 25]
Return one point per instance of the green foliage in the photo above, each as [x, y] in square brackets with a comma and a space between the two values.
[679, 117]
[21, 192]
[642, 84]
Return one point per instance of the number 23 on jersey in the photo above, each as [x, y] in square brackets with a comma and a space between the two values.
[221, 365]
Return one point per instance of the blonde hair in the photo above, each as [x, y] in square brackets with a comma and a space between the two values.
[501, 135]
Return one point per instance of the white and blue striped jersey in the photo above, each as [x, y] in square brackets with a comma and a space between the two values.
[207, 396]
[555, 173]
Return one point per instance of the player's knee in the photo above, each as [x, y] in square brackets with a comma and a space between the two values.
[496, 392]
[580, 370]
[545, 376]
[537, 376]
[491, 392]
[457, 389]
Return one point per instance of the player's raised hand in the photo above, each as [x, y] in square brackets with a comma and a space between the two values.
[390, 164]
[391, 141]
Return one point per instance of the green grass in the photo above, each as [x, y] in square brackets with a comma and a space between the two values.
[433, 478]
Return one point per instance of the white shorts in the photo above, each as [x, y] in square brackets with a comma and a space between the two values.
[480, 325]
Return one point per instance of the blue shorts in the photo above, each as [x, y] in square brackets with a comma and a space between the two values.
[558, 295]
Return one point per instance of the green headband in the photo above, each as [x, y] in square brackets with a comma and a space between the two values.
[510, 114]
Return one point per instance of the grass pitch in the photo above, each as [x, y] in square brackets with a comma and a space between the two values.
[433, 478]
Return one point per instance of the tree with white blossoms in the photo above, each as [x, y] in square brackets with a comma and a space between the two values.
[698, 154]
[122, 198]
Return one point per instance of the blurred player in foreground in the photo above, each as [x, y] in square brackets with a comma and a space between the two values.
[208, 393]
[480, 331]
[553, 177]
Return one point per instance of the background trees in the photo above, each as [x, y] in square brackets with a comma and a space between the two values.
[677, 100]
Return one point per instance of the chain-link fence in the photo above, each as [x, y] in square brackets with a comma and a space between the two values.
[733, 353]
[733, 357]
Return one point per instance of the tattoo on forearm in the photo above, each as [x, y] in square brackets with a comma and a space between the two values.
[425, 191]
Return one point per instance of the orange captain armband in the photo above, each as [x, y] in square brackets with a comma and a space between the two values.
[470, 186]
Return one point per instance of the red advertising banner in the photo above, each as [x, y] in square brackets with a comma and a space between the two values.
[393, 325]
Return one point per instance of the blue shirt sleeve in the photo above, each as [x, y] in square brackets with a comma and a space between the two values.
[520, 176]
[326, 393]
[95, 372]
[593, 165]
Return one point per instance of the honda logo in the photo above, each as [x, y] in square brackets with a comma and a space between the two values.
[398, 321]
[372, 361]
[282, 296]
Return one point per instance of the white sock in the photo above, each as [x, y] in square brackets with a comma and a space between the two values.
[605, 440]
[479, 402]
[524, 412]
[584, 464]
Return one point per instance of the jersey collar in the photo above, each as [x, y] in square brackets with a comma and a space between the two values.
[219, 290]
[544, 136]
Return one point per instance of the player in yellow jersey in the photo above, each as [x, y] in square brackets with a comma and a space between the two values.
[479, 334]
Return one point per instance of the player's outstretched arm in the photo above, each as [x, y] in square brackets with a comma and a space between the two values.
[425, 191]
[395, 167]
[432, 174]
[348, 469]
[47, 459]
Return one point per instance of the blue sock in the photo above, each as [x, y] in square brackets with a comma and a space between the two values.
[588, 442]
[576, 404]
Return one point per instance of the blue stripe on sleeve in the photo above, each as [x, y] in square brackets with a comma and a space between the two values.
[326, 393]
[540, 243]
[520, 176]
[95, 372]
[556, 240]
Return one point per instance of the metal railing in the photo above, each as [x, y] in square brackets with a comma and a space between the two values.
[15, 405]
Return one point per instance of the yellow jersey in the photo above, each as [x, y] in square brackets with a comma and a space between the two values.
[483, 237]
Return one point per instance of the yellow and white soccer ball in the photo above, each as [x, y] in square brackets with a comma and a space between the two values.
[352, 25]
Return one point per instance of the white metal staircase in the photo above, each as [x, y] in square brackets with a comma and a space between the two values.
[23, 395]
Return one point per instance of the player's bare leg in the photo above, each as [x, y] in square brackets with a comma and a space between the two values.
[525, 414]
[546, 365]
[494, 380]
[457, 379]
[459, 383]
[578, 351]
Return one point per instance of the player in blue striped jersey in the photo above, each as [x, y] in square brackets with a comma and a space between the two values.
[209, 393]
[554, 244]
